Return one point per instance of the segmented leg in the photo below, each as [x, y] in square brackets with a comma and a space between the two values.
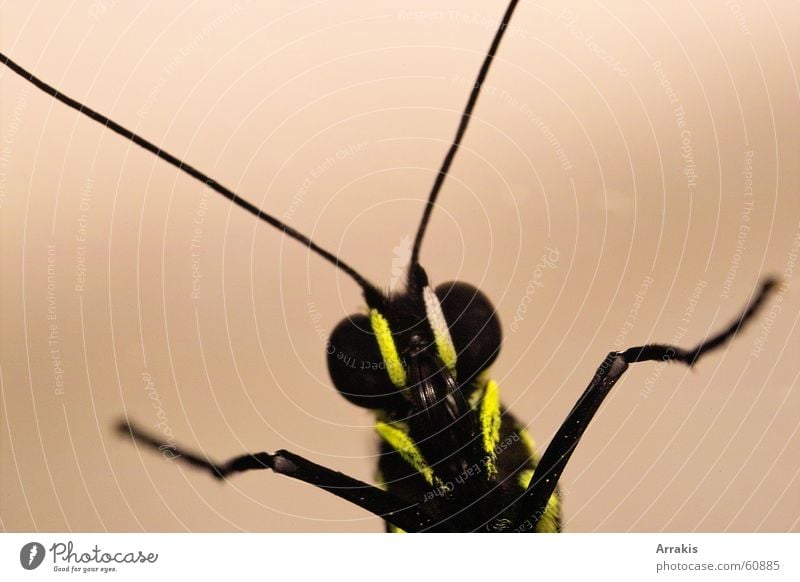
[407, 516]
[555, 458]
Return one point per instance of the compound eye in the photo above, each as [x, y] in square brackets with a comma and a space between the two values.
[474, 327]
[357, 367]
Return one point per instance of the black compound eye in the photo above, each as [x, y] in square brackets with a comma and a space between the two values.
[357, 367]
[474, 327]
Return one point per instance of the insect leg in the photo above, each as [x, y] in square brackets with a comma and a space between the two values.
[552, 464]
[406, 516]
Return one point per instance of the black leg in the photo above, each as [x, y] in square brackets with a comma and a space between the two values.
[555, 458]
[406, 516]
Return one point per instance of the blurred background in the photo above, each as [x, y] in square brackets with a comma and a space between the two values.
[630, 174]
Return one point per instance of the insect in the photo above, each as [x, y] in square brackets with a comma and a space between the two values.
[440, 416]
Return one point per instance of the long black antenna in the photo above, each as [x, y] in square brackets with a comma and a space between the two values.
[369, 289]
[462, 128]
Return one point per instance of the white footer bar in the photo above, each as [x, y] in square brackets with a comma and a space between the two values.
[385, 558]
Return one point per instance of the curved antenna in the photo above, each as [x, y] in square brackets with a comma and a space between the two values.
[462, 128]
[370, 291]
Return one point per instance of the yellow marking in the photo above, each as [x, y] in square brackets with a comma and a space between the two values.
[549, 521]
[528, 441]
[490, 425]
[477, 395]
[402, 442]
[525, 477]
[382, 485]
[394, 367]
[447, 351]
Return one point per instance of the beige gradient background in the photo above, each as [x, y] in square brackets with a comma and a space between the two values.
[260, 97]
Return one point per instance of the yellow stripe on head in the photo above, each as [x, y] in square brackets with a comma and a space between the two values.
[383, 334]
[490, 424]
[402, 442]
